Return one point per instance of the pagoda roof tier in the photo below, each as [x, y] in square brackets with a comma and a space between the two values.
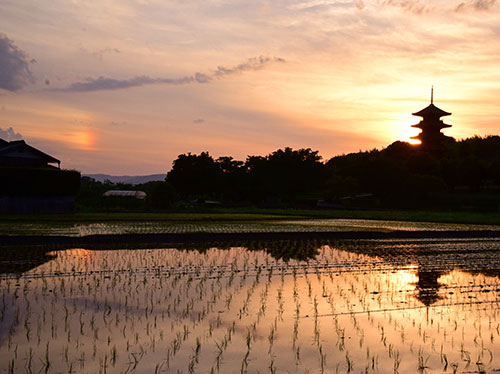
[421, 136]
[431, 111]
[432, 125]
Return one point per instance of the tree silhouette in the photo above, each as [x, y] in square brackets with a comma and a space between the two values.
[399, 176]
[285, 173]
[194, 175]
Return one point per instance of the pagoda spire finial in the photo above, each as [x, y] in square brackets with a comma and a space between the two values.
[432, 94]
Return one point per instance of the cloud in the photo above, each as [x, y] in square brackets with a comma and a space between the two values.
[118, 123]
[484, 4]
[425, 6]
[323, 4]
[414, 6]
[202, 78]
[100, 53]
[480, 5]
[253, 63]
[104, 83]
[360, 4]
[14, 66]
[199, 120]
[9, 134]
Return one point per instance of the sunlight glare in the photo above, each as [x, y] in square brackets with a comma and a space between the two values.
[403, 131]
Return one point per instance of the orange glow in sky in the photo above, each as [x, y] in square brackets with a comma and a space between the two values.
[86, 140]
[125, 87]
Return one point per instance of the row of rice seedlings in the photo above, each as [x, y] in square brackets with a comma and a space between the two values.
[198, 227]
[238, 227]
[220, 300]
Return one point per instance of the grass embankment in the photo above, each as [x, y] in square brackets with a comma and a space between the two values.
[253, 215]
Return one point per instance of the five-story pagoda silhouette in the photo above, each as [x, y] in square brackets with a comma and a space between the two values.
[431, 125]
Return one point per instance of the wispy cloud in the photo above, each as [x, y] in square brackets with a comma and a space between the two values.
[313, 4]
[425, 6]
[414, 6]
[480, 5]
[118, 123]
[104, 83]
[253, 63]
[100, 53]
[14, 66]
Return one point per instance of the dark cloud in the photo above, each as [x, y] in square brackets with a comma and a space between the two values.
[199, 120]
[14, 66]
[9, 134]
[103, 83]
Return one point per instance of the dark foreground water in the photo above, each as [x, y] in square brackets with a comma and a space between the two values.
[277, 307]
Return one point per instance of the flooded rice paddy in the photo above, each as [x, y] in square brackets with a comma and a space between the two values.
[268, 226]
[278, 307]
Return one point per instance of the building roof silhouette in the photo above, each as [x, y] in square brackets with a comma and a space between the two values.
[431, 111]
[18, 153]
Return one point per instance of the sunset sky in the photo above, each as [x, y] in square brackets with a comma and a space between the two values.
[124, 86]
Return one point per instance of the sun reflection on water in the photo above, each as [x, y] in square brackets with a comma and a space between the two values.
[361, 309]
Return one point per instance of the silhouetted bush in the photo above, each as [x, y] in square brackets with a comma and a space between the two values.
[160, 195]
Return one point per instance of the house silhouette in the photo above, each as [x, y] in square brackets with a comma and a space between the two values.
[18, 153]
[32, 181]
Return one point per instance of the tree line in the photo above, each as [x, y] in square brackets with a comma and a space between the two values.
[281, 176]
[462, 174]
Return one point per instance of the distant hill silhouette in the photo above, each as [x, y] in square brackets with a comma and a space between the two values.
[127, 179]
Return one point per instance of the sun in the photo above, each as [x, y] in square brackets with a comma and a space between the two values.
[408, 134]
[403, 131]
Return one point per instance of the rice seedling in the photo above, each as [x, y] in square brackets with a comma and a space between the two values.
[373, 307]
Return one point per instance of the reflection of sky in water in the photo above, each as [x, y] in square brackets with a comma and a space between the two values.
[377, 307]
[309, 225]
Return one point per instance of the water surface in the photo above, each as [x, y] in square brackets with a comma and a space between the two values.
[360, 307]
